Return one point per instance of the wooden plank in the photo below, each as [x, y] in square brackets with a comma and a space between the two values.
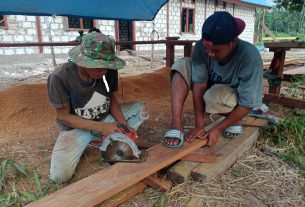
[290, 61]
[95, 189]
[206, 155]
[285, 45]
[125, 195]
[228, 154]
[289, 102]
[295, 71]
[153, 181]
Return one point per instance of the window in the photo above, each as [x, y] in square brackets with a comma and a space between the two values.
[3, 22]
[187, 20]
[80, 23]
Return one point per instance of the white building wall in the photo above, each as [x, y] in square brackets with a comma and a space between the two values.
[144, 30]
[248, 15]
[23, 28]
[20, 29]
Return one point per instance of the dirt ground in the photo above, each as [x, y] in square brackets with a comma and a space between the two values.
[28, 133]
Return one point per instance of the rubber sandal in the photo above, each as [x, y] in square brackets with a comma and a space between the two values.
[173, 134]
[234, 131]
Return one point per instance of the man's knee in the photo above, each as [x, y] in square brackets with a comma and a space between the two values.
[220, 99]
[60, 173]
[182, 71]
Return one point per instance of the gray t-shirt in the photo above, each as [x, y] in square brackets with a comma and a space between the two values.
[244, 72]
[89, 100]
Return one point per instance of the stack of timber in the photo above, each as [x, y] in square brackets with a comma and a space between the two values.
[226, 150]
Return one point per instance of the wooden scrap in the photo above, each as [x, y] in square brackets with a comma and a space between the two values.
[159, 184]
[228, 154]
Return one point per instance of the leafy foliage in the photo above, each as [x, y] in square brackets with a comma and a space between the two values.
[291, 5]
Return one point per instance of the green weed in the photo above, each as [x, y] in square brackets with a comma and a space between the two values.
[294, 90]
[290, 136]
[9, 168]
[160, 202]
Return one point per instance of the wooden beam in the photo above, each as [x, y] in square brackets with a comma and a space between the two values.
[287, 45]
[158, 184]
[276, 67]
[125, 195]
[95, 189]
[289, 102]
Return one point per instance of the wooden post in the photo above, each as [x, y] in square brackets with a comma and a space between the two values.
[170, 51]
[39, 35]
[276, 67]
[188, 50]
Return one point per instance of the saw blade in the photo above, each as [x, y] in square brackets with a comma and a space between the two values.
[117, 151]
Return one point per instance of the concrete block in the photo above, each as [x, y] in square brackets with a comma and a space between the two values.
[19, 38]
[30, 18]
[7, 38]
[20, 18]
[9, 51]
[20, 51]
[30, 51]
[29, 38]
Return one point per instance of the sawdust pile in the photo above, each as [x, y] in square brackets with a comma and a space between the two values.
[25, 108]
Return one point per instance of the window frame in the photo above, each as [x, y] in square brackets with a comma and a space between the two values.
[5, 26]
[187, 21]
[81, 25]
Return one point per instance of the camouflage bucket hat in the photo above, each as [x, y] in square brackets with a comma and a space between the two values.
[96, 51]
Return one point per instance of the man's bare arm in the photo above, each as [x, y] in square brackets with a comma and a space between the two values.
[199, 109]
[75, 121]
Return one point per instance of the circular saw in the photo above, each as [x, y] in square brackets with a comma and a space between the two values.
[119, 147]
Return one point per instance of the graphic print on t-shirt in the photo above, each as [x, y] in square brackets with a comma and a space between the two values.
[95, 108]
[215, 78]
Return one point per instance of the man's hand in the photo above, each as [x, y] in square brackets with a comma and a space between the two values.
[199, 133]
[108, 128]
[195, 133]
[212, 135]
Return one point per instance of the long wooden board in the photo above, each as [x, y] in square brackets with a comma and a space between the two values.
[95, 189]
[228, 154]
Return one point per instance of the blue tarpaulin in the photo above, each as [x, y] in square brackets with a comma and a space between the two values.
[96, 9]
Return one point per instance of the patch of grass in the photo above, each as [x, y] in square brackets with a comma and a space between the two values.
[21, 197]
[160, 202]
[9, 168]
[294, 87]
[288, 135]
[9, 172]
